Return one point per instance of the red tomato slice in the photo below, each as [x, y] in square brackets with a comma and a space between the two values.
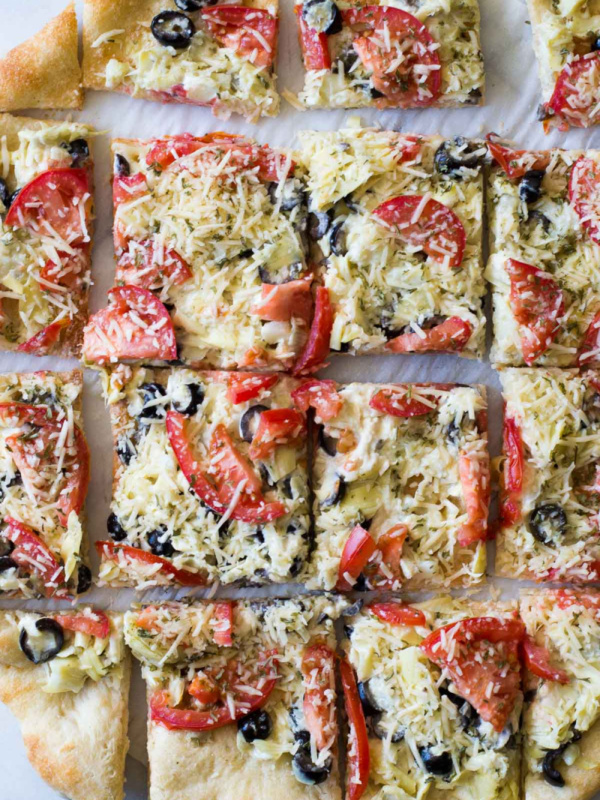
[566, 598]
[230, 468]
[384, 570]
[204, 689]
[476, 652]
[359, 759]
[42, 342]
[50, 204]
[515, 162]
[537, 660]
[537, 304]
[251, 32]
[222, 623]
[136, 326]
[358, 549]
[315, 47]
[275, 427]
[318, 671]
[16, 414]
[34, 557]
[112, 551]
[128, 187]
[425, 223]
[589, 352]
[584, 195]
[77, 470]
[577, 91]
[316, 349]
[152, 267]
[171, 148]
[68, 272]
[398, 614]
[399, 51]
[397, 402]
[320, 395]
[474, 473]
[450, 336]
[96, 623]
[280, 302]
[512, 484]
[244, 386]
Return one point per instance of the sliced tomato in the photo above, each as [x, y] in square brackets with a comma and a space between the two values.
[565, 598]
[474, 473]
[515, 162]
[42, 342]
[17, 414]
[113, 551]
[359, 759]
[251, 32]
[425, 223]
[584, 195]
[35, 557]
[222, 623]
[512, 484]
[398, 614]
[318, 671]
[231, 468]
[244, 386]
[204, 689]
[384, 569]
[316, 349]
[320, 395]
[358, 549]
[77, 471]
[277, 426]
[171, 148]
[475, 653]
[282, 301]
[537, 304]
[128, 187]
[50, 205]
[589, 352]
[537, 660]
[67, 272]
[398, 402]
[94, 623]
[450, 336]
[135, 326]
[400, 53]
[577, 91]
[315, 47]
[151, 266]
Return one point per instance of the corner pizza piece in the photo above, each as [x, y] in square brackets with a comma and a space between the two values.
[402, 483]
[210, 479]
[544, 210]
[396, 229]
[241, 696]
[45, 471]
[433, 698]
[565, 39]
[561, 721]
[44, 71]
[550, 498]
[220, 56]
[211, 266]
[390, 54]
[65, 677]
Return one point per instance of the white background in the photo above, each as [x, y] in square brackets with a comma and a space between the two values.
[512, 96]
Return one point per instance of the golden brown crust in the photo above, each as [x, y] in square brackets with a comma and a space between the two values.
[537, 10]
[44, 71]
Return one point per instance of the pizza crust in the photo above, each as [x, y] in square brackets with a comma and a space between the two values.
[44, 71]
[537, 10]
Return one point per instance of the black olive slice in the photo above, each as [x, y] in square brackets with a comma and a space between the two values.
[453, 155]
[328, 443]
[84, 578]
[172, 29]
[290, 194]
[595, 44]
[286, 488]
[4, 193]
[337, 238]
[530, 187]
[256, 725]
[368, 702]
[377, 730]
[548, 523]
[6, 563]
[351, 611]
[191, 399]
[536, 217]
[125, 449]
[291, 272]
[337, 493]
[160, 544]
[304, 768]
[318, 224]
[121, 166]
[151, 392]
[79, 150]
[322, 16]
[116, 530]
[551, 774]
[440, 765]
[55, 633]
[348, 58]
[591, 407]
[249, 422]
[194, 5]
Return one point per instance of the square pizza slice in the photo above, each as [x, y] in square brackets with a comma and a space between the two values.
[397, 54]
[402, 481]
[565, 39]
[65, 677]
[210, 479]
[550, 497]
[45, 471]
[433, 698]
[561, 720]
[545, 251]
[242, 698]
[217, 55]
[211, 262]
[45, 234]
[396, 229]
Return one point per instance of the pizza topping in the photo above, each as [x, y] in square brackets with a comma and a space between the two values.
[358, 741]
[150, 266]
[576, 92]
[384, 569]
[249, 421]
[474, 472]
[244, 386]
[277, 426]
[548, 523]
[456, 157]
[400, 402]
[43, 644]
[449, 336]
[516, 162]
[530, 187]
[398, 614]
[318, 671]
[315, 48]
[123, 553]
[255, 726]
[322, 16]
[512, 483]
[93, 623]
[34, 557]
[172, 29]
[42, 342]
[251, 32]
[584, 195]
[358, 549]
[320, 395]
[537, 660]
[589, 352]
[316, 349]
[222, 623]
[67, 271]
[283, 301]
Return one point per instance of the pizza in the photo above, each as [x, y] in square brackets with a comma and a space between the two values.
[211, 262]
[397, 54]
[561, 720]
[566, 46]
[46, 201]
[210, 479]
[241, 696]
[401, 481]
[550, 498]
[219, 55]
[545, 248]
[433, 698]
[44, 71]
[65, 677]
[395, 226]
[45, 471]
